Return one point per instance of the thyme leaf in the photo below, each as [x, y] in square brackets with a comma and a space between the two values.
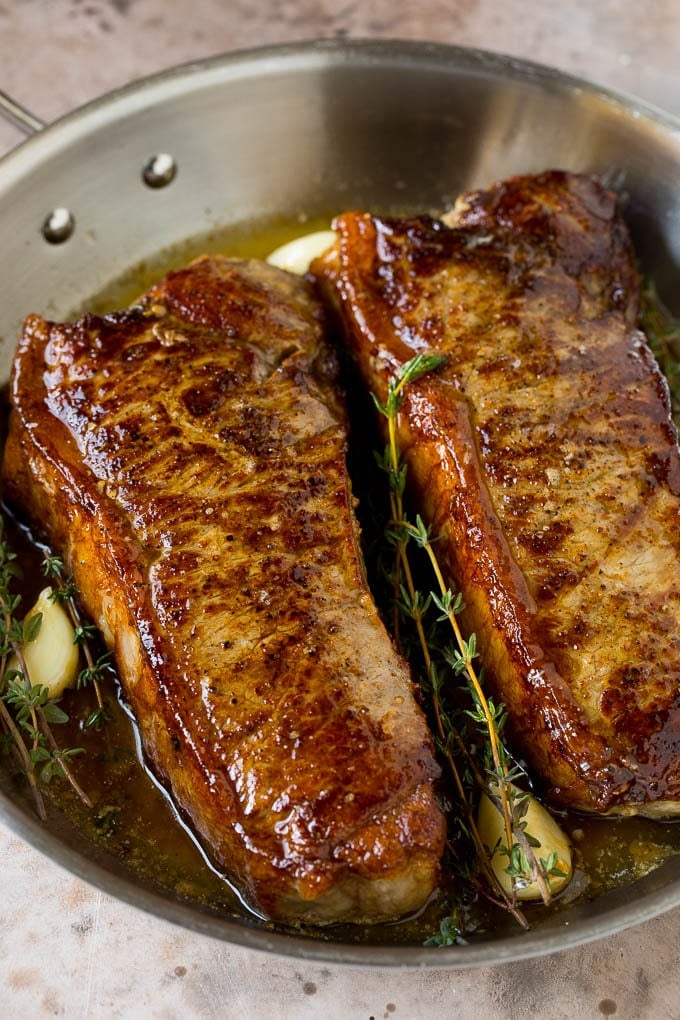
[449, 934]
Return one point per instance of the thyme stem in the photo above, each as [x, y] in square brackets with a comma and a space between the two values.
[498, 757]
[23, 758]
[60, 757]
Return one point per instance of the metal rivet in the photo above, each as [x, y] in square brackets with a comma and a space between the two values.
[58, 226]
[160, 170]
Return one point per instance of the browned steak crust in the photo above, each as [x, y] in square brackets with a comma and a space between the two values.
[545, 457]
[188, 457]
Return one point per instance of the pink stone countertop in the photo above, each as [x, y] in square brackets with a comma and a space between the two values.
[69, 950]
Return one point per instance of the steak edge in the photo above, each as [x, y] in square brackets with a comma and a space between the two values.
[544, 456]
[187, 457]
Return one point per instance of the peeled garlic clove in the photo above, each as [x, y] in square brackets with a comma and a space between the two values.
[295, 256]
[52, 658]
[541, 825]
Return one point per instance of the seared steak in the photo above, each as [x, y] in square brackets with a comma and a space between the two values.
[188, 458]
[545, 457]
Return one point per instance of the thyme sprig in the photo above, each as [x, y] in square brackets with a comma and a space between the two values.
[65, 591]
[395, 468]
[663, 334]
[449, 934]
[26, 711]
[498, 775]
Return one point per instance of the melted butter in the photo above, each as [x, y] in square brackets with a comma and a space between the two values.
[132, 820]
[250, 240]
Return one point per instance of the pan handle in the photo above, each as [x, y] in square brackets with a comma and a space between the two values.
[19, 115]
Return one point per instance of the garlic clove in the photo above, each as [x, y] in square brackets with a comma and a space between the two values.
[52, 658]
[541, 825]
[296, 255]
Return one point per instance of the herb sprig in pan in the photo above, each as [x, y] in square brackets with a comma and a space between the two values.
[496, 776]
[663, 334]
[27, 709]
[95, 670]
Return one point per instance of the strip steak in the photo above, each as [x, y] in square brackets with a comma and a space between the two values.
[545, 457]
[187, 456]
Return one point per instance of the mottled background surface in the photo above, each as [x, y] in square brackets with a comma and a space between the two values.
[68, 950]
[58, 54]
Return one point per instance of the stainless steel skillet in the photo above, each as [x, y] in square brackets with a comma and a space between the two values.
[294, 132]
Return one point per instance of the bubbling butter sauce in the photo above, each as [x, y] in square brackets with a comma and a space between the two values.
[132, 822]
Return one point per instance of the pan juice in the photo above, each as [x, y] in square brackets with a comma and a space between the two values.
[132, 827]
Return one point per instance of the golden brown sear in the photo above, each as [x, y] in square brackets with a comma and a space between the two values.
[187, 456]
[545, 457]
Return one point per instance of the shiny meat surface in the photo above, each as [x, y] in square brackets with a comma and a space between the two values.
[188, 458]
[545, 457]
